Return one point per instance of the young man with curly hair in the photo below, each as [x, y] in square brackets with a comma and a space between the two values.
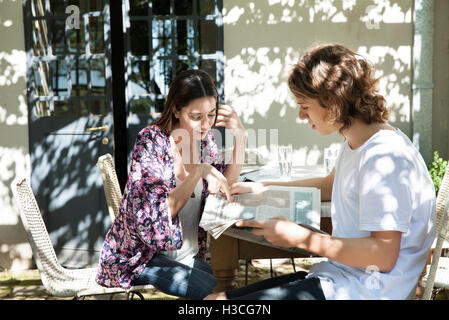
[383, 200]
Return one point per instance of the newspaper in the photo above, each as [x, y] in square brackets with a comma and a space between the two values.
[299, 204]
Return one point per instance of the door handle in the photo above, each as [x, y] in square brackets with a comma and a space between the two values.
[103, 128]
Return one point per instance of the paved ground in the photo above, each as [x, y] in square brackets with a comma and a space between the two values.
[26, 285]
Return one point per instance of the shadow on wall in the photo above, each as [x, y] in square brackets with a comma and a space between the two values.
[69, 189]
[264, 39]
[14, 159]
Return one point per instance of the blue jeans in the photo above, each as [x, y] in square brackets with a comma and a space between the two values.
[287, 287]
[177, 279]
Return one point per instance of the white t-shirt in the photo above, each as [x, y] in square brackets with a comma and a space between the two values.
[189, 217]
[383, 185]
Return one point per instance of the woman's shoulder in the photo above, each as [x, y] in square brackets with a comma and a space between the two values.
[151, 130]
[153, 133]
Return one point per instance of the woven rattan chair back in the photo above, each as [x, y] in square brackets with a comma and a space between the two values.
[442, 196]
[442, 226]
[56, 279]
[43, 251]
[111, 185]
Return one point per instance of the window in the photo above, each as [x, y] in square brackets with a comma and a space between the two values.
[163, 38]
[68, 67]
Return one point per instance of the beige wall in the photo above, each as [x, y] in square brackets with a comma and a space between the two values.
[262, 39]
[15, 252]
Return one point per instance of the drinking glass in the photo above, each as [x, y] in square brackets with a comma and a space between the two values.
[285, 160]
[330, 158]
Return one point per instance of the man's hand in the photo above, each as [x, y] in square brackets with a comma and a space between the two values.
[279, 231]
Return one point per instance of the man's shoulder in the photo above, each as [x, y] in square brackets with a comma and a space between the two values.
[390, 142]
[390, 149]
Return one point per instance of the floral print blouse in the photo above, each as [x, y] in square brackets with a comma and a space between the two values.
[144, 226]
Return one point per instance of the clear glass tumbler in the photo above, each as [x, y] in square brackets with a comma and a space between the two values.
[285, 160]
[330, 158]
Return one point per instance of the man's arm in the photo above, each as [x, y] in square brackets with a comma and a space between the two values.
[380, 249]
[324, 184]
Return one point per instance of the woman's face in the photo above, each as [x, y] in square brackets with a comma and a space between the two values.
[198, 117]
[317, 116]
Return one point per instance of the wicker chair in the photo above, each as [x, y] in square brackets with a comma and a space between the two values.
[57, 280]
[110, 184]
[438, 272]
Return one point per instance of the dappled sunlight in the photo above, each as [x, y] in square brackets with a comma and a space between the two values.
[263, 39]
[13, 162]
[388, 220]
[15, 252]
[335, 11]
[14, 158]
[68, 156]
[389, 178]
[256, 83]
[393, 67]
[12, 67]
[385, 165]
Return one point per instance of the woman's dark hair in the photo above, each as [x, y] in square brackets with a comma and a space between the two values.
[186, 87]
[342, 81]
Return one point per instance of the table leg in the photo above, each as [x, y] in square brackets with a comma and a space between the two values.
[225, 261]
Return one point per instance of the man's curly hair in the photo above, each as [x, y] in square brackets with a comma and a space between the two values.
[342, 81]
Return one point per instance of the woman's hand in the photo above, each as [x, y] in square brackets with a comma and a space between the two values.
[279, 231]
[228, 118]
[216, 181]
[246, 187]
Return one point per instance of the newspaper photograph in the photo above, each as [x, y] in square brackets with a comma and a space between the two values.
[299, 204]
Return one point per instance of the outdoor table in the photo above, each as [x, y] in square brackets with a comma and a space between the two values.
[239, 243]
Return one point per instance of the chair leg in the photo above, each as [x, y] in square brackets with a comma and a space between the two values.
[293, 264]
[139, 294]
[246, 271]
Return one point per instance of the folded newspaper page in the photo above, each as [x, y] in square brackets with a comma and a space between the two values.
[299, 204]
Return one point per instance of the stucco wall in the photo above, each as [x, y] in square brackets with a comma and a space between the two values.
[15, 252]
[264, 38]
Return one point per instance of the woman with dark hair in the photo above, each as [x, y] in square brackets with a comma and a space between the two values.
[176, 163]
[383, 200]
